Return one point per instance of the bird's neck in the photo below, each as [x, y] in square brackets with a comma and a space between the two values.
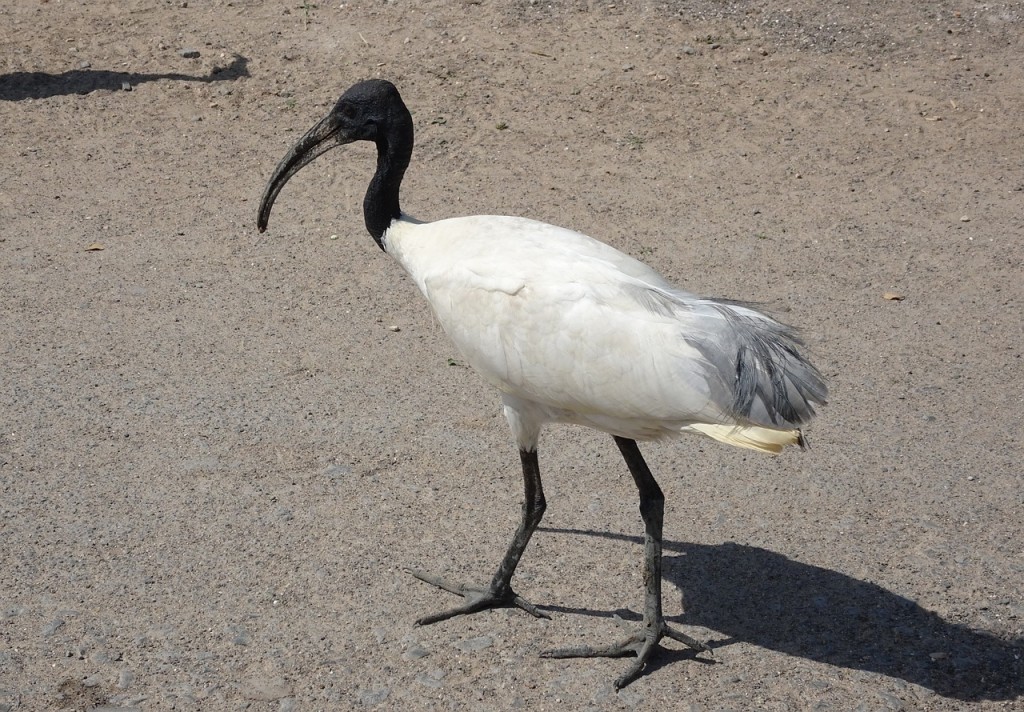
[380, 206]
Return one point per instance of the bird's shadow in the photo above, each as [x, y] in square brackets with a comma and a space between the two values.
[760, 597]
[18, 86]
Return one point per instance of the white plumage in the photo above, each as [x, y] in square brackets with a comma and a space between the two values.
[571, 330]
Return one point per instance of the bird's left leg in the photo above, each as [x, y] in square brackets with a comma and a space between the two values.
[644, 641]
[499, 593]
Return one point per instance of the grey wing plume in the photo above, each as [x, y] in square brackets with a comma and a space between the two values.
[757, 359]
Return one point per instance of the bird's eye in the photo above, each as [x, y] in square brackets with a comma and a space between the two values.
[348, 111]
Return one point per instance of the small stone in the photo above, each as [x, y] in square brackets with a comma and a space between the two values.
[474, 644]
[125, 86]
[395, 328]
[241, 635]
[432, 678]
[337, 472]
[188, 53]
[965, 218]
[84, 65]
[125, 679]
[415, 652]
[375, 696]
[266, 689]
[52, 627]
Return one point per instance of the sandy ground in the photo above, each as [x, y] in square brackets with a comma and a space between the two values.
[218, 454]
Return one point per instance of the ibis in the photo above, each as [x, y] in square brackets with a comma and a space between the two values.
[571, 330]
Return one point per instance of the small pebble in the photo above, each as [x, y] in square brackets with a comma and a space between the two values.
[432, 678]
[394, 327]
[241, 636]
[474, 644]
[52, 627]
[965, 218]
[374, 697]
[188, 53]
[415, 652]
[125, 86]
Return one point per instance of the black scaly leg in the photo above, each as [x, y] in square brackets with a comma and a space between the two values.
[644, 641]
[500, 592]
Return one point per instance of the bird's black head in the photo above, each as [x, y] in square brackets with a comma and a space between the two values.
[371, 110]
[363, 112]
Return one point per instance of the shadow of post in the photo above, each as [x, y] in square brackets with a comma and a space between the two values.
[18, 86]
[760, 597]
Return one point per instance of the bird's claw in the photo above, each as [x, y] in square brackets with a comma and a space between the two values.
[478, 598]
[641, 643]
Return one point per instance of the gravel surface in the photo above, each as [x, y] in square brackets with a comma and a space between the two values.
[220, 450]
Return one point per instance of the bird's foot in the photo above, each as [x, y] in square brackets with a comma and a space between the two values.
[641, 643]
[478, 598]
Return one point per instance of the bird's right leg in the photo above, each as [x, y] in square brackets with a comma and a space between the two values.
[499, 593]
[643, 643]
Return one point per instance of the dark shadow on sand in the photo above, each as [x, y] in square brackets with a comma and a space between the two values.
[757, 596]
[18, 86]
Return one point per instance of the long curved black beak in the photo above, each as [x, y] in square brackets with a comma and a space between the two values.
[320, 139]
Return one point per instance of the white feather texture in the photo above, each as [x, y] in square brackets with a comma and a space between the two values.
[571, 330]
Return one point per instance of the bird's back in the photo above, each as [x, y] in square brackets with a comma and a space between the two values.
[576, 331]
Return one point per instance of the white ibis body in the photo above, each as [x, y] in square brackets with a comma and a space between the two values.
[571, 330]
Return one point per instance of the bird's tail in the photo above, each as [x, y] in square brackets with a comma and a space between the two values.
[752, 437]
[774, 388]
